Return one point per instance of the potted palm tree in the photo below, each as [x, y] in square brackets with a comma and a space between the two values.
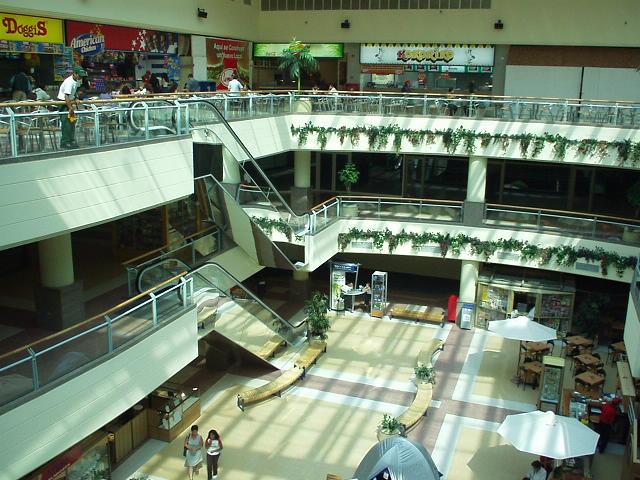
[390, 426]
[349, 175]
[317, 322]
[296, 59]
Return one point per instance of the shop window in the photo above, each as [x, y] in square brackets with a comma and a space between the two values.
[414, 4]
[282, 4]
[424, 3]
[299, 4]
[375, 4]
[475, 3]
[454, 3]
[264, 5]
[291, 4]
[335, 4]
[355, 4]
[465, 4]
[486, 4]
[393, 4]
[308, 4]
[404, 4]
[384, 4]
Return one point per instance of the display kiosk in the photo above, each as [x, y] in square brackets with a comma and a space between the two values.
[341, 276]
[551, 384]
[379, 294]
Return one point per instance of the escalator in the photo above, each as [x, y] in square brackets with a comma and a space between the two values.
[228, 308]
[250, 202]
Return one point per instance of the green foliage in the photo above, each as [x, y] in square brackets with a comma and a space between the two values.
[587, 318]
[390, 424]
[530, 145]
[565, 255]
[349, 175]
[269, 224]
[425, 373]
[315, 308]
[297, 58]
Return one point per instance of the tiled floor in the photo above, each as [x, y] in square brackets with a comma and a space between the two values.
[327, 422]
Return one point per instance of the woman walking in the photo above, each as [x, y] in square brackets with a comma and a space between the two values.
[213, 444]
[193, 452]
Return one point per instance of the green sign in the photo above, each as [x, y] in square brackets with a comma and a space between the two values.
[318, 50]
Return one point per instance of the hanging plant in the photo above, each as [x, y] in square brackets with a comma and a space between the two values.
[538, 145]
[269, 224]
[525, 141]
[560, 145]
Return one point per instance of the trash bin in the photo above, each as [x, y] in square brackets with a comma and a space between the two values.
[452, 308]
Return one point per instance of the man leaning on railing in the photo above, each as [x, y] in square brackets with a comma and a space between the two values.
[68, 93]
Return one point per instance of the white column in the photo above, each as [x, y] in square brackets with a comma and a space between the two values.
[230, 168]
[56, 261]
[468, 279]
[477, 179]
[302, 169]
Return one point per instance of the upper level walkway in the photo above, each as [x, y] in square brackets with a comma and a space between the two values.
[29, 128]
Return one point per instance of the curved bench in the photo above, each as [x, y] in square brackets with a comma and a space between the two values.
[418, 408]
[272, 345]
[310, 356]
[274, 387]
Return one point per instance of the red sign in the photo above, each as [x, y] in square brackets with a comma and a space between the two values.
[80, 34]
[226, 57]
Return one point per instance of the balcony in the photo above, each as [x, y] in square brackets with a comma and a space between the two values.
[68, 385]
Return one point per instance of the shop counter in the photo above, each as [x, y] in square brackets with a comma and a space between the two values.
[172, 411]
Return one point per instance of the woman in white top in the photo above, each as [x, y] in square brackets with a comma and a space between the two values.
[213, 444]
[193, 452]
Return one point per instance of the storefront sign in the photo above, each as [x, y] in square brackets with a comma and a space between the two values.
[318, 50]
[226, 57]
[382, 69]
[23, 28]
[426, 54]
[89, 39]
[345, 267]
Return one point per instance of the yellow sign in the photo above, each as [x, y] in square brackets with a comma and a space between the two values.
[30, 29]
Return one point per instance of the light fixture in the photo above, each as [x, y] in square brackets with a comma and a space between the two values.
[202, 13]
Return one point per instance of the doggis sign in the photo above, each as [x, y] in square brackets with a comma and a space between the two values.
[30, 29]
[426, 54]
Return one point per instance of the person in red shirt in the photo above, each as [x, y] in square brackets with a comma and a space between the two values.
[607, 417]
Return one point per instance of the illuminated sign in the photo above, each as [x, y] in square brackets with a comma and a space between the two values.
[426, 54]
[30, 29]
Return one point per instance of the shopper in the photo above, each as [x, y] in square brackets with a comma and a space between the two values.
[20, 86]
[235, 87]
[536, 472]
[213, 445]
[607, 418]
[192, 84]
[68, 94]
[193, 445]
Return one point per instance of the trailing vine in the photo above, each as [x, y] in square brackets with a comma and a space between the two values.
[531, 145]
[268, 225]
[564, 255]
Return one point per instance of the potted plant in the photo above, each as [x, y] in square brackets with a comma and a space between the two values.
[297, 58]
[317, 322]
[425, 374]
[390, 426]
[349, 175]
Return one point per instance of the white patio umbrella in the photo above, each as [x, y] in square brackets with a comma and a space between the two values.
[549, 435]
[523, 329]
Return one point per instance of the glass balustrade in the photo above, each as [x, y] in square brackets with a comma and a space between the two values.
[32, 367]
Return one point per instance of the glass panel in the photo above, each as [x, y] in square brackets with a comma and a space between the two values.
[454, 3]
[128, 326]
[486, 4]
[16, 381]
[264, 5]
[375, 4]
[404, 4]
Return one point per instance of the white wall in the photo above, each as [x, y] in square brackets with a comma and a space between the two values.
[632, 338]
[538, 81]
[611, 84]
[56, 420]
[43, 198]
[269, 136]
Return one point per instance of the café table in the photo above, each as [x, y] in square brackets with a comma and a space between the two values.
[616, 350]
[578, 341]
[353, 293]
[536, 349]
[531, 372]
[592, 382]
[586, 359]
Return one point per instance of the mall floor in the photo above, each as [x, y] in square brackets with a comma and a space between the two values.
[327, 422]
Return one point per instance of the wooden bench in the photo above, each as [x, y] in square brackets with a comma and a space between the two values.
[428, 351]
[270, 348]
[275, 387]
[418, 408]
[419, 313]
[310, 356]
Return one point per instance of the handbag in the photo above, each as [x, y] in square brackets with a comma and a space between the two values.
[184, 450]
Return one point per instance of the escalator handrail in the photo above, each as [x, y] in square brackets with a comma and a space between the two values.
[246, 151]
[237, 282]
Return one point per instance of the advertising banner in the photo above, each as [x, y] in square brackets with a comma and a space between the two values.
[226, 57]
[89, 39]
[318, 50]
[23, 28]
[426, 54]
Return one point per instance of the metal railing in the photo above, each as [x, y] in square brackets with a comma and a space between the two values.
[200, 246]
[35, 127]
[384, 208]
[35, 366]
[575, 224]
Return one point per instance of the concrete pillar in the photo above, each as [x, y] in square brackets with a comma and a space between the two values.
[230, 168]
[476, 187]
[59, 298]
[469, 270]
[299, 285]
[477, 179]
[300, 192]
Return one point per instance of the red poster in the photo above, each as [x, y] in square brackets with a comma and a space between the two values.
[226, 57]
[89, 39]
